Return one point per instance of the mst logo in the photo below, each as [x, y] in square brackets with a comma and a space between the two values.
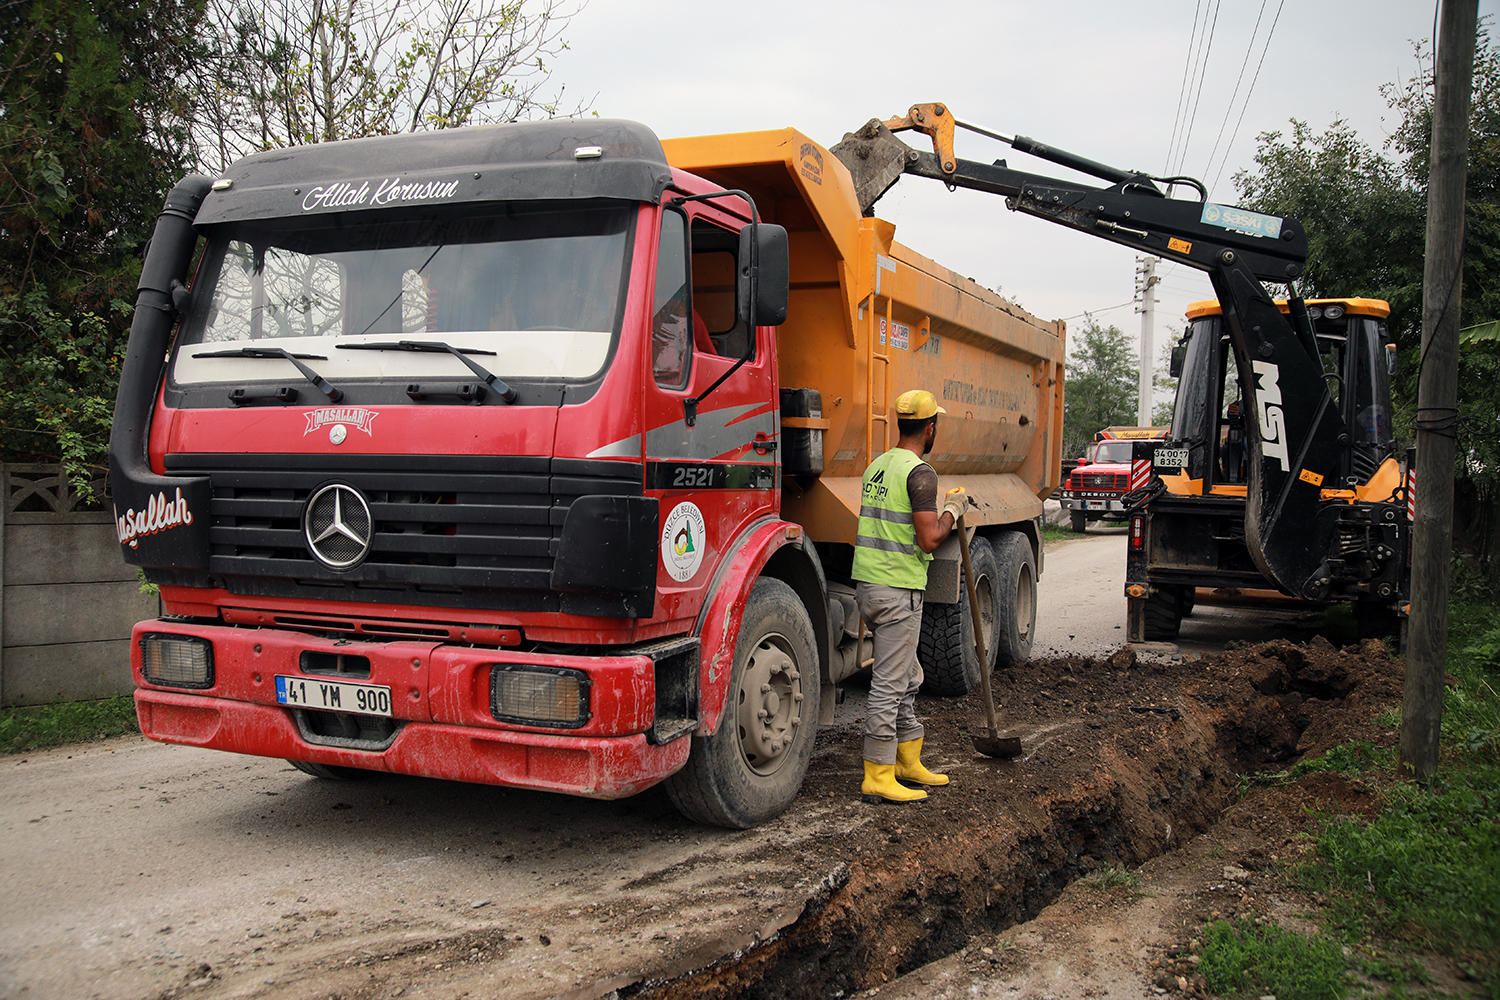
[1268, 405]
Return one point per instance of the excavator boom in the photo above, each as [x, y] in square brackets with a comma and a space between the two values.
[1294, 433]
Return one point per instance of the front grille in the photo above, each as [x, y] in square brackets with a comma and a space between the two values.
[1099, 480]
[455, 531]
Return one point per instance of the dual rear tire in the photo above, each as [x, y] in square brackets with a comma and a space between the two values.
[1005, 584]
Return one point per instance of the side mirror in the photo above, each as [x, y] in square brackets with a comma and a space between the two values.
[1390, 359]
[182, 298]
[1179, 356]
[764, 276]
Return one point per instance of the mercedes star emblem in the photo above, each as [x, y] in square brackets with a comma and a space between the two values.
[338, 526]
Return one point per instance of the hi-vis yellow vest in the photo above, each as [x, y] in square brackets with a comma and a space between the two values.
[886, 551]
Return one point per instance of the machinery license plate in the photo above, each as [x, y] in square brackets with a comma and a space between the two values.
[333, 696]
[1170, 458]
[1096, 505]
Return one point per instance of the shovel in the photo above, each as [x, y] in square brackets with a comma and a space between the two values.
[992, 744]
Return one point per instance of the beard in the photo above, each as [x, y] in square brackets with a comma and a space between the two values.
[931, 440]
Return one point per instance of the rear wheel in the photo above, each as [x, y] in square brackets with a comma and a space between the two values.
[1080, 521]
[1376, 620]
[1163, 613]
[1189, 600]
[1015, 593]
[329, 772]
[945, 646]
[752, 767]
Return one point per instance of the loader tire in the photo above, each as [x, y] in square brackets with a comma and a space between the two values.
[1164, 614]
[945, 646]
[1080, 521]
[740, 777]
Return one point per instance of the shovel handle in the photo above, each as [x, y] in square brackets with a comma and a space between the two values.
[984, 660]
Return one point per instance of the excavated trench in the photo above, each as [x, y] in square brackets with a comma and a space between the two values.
[1124, 760]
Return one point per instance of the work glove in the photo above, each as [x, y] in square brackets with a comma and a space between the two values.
[955, 503]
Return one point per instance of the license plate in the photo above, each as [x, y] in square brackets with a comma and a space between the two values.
[1096, 504]
[1170, 458]
[333, 696]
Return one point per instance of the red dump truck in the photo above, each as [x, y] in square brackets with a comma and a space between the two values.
[1093, 490]
[530, 455]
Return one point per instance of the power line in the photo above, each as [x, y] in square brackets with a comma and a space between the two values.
[1249, 49]
[1208, 48]
[1236, 133]
[1091, 312]
[1182, 89]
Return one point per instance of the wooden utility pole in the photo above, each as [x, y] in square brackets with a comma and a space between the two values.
[1437, 393]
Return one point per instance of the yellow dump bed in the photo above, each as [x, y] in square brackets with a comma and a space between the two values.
[870, 319]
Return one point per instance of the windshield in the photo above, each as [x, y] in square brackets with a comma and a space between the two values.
[541, 288]
[1113, 451]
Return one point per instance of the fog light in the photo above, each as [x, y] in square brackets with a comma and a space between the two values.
[177, 660]
[534, 695]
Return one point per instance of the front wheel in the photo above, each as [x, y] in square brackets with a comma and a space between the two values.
[752, 767]
[1080, 521]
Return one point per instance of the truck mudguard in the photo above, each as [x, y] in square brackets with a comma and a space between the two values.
[719, 621]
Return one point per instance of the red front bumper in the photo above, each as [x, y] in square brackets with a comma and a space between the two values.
[440, 696]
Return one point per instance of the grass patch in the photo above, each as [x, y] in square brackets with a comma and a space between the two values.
[1057, 533]
[1346, 758]
[1113, 878]
[1242, 957]
[1425, 873]
[38, 727]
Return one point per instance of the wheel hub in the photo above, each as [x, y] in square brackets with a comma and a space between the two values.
[770, 709]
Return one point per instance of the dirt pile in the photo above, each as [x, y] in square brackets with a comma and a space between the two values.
[1126, 759]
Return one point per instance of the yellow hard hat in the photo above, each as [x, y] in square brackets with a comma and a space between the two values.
[917, 404]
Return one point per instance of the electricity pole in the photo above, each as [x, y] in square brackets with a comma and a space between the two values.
[1145, 290]
[1437, 392]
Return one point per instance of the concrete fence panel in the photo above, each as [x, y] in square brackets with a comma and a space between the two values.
[67, 599]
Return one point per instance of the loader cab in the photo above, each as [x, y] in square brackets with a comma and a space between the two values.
[1353, 347]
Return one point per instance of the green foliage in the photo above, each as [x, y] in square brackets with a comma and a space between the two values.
[1353, 757]
[41, 726]
[1243, 957]
[1101, 385]
[1365, 214]
[86, 155]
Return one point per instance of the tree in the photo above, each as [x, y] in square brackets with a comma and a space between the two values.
[87, 150]
[290, 72]
[1101, 385]
[1365, 213]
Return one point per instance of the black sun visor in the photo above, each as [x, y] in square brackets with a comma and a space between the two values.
[560, 159]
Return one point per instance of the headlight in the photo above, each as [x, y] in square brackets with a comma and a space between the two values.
[177, 660]
[535, 695]
[1333, 312]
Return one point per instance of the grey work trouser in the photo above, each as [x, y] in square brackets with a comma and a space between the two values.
[895, 615]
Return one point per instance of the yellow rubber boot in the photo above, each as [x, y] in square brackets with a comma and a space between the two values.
[881, 785]
[909, 764]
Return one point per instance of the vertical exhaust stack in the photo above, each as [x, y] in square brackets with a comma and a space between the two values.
[161, 520]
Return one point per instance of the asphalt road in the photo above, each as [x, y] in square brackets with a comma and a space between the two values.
[134, 869]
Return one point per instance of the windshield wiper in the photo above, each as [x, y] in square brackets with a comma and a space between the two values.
[504, 391]
[324, 386]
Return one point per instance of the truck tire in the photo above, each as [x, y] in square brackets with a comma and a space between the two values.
[1376, 620]
[1163, 613]
[1189, 600]
[1015, 599]
[329, 772]
[1080, 521]
[945, 646]
[738, 778]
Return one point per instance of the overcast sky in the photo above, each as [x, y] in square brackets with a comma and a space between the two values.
[1103, 78]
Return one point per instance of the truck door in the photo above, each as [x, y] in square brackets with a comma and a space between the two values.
[721, 471]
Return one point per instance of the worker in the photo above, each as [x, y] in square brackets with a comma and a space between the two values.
[899, 527]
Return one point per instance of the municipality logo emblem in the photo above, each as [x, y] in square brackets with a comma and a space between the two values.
[683, 539]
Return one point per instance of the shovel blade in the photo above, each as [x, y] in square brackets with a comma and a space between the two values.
[1004, 747]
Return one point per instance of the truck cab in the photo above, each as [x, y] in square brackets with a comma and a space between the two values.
[1095, 489]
